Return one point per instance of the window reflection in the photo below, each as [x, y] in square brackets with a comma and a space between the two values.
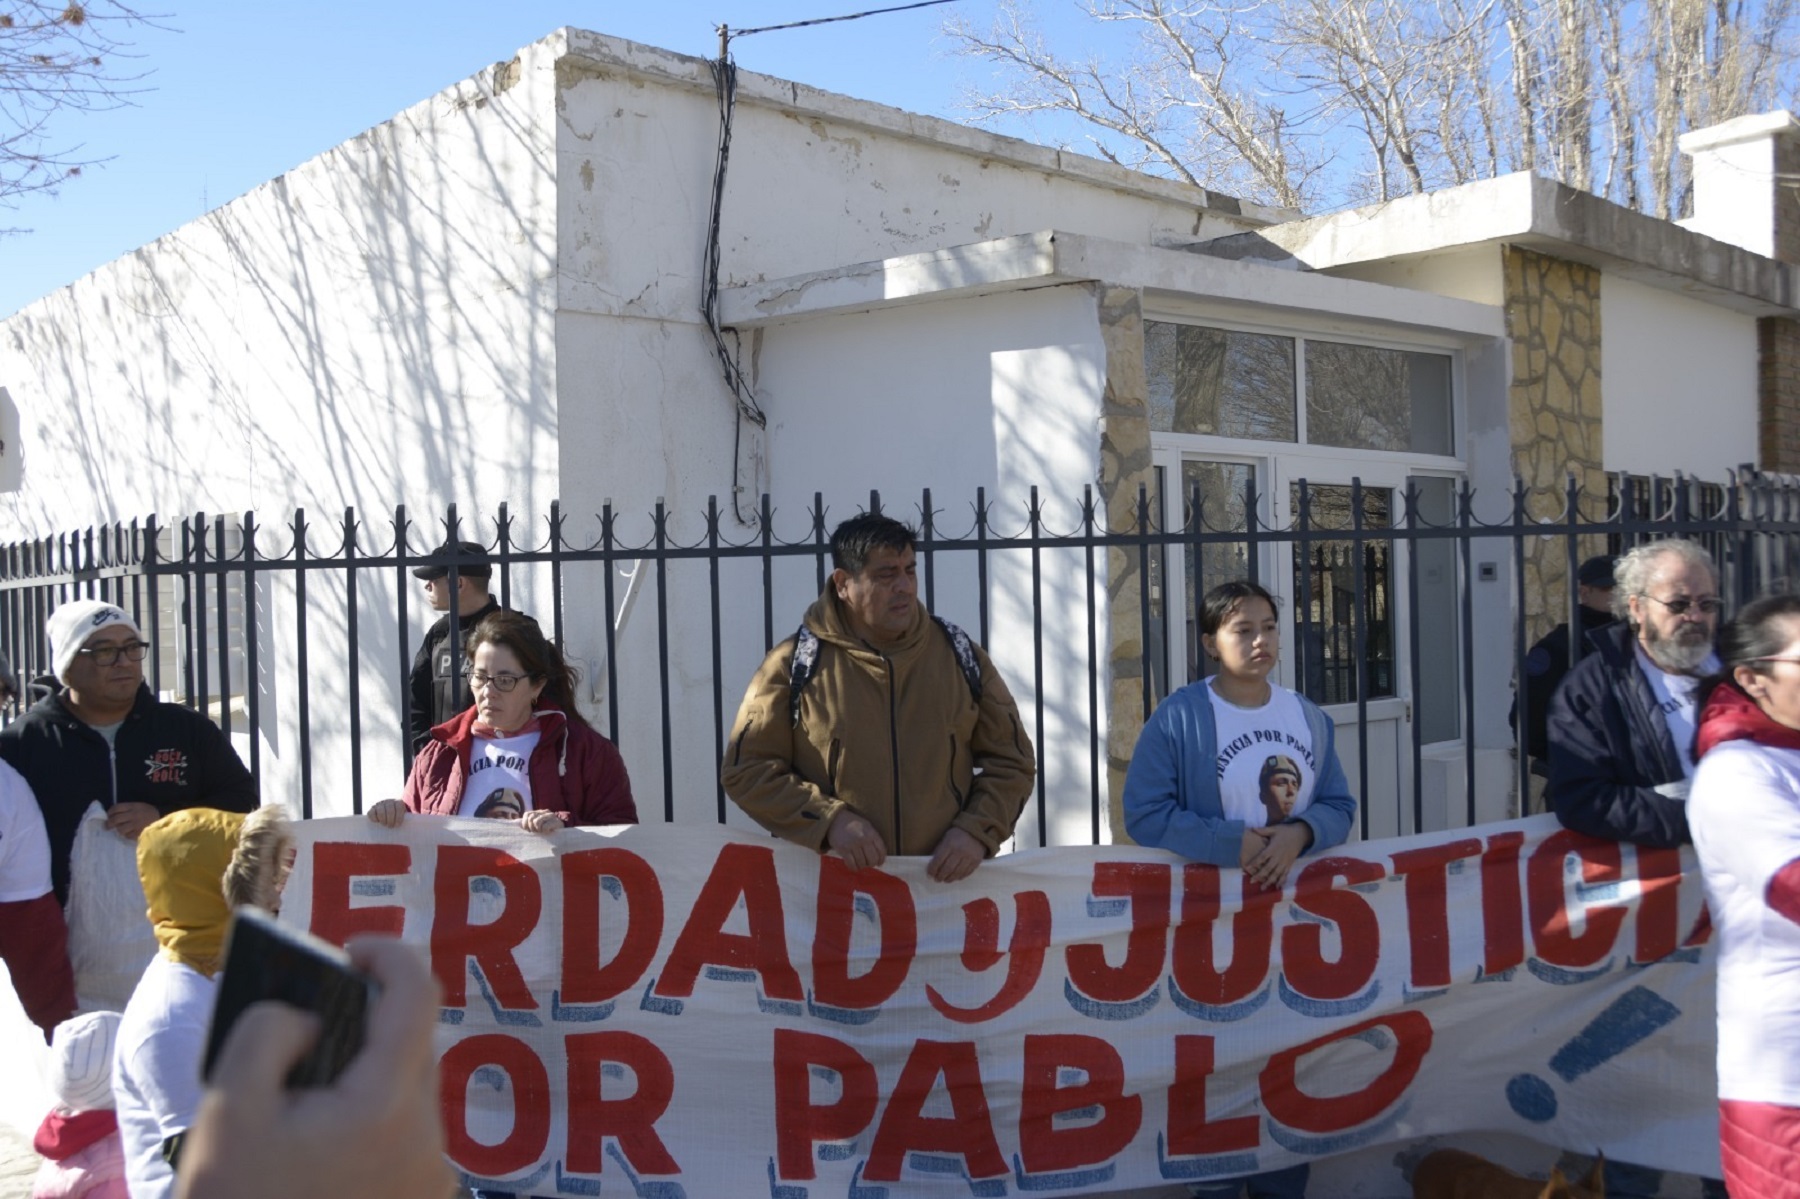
[1327, 613]
[1218, 488]
[1368, 398]
[1220, 382]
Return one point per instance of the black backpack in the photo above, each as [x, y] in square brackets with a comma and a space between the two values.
[806, 662]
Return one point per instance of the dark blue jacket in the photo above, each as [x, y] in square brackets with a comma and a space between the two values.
[1610, 748]
[1546, 665]
[164, 755]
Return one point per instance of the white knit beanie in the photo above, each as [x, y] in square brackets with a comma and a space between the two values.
[71, 625]
[81, 1053]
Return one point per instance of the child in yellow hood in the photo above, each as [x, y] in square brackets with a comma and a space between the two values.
[197, 865]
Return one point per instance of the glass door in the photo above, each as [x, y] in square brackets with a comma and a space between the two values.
[1341, 573]
[1350, 592]
[1209, 501]
[1376, 622]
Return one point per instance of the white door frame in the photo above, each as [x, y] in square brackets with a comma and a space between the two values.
[1389, 719]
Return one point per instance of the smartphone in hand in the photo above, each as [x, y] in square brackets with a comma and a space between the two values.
[267, 960]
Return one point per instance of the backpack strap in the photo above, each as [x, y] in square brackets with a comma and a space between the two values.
[805, 663]
[964, 649]
[800, 670]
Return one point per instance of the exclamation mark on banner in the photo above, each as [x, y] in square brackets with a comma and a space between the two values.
[1626, 1021]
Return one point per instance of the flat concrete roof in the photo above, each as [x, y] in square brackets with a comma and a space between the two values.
[1051, 258]
[1539, 214]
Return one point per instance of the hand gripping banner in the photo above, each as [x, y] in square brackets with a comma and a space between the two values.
[670, 1012]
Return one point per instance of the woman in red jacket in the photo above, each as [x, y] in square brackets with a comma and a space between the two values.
[522, 752]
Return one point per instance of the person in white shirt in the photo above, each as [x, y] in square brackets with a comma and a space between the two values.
[1744, 811]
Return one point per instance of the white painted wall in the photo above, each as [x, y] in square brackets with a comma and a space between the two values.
[1735, 179]
[955, 395]
[817, 182]
[1001, 393]
[1678, 379]
[371, 328]
[1467, 273]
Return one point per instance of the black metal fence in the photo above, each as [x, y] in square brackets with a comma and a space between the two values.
[304, 635]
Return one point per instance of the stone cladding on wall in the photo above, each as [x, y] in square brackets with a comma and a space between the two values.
[1778, 389]
[1124, 469]
[1553, 319]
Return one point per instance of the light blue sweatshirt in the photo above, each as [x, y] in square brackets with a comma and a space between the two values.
[1172, 787]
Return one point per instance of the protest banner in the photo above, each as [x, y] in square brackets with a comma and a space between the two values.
[693, 1011]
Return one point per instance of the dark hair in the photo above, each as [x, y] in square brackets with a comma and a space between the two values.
[1762, 629]
[1221, 600]
[853, 541]
[536, 653]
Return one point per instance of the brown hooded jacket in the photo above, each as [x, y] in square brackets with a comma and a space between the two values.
[894, 733]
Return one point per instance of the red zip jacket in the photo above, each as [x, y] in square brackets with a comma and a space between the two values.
[575, 772]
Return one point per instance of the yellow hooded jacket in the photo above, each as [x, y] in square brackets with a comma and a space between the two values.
[182, 860]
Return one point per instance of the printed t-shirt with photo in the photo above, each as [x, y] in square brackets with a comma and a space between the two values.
[1248, 738]
[1675, 698]
[500, 776]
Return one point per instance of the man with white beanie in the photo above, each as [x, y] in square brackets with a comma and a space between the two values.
[104, 737]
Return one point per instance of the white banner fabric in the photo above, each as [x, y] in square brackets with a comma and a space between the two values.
[697, 1011]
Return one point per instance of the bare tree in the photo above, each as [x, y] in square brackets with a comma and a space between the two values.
[1319, 103]
[1189, 107]
[1400, 74]
[57, 59]
[1623, 173]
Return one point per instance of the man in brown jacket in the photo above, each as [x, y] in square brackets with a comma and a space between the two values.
[877, 728]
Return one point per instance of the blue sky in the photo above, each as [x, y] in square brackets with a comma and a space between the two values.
[240, 93]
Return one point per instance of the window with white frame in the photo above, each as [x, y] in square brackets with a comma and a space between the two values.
[1235, 384]
[1233, 406]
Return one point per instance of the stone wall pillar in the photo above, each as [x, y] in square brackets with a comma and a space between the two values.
[1124, 469]
[1778, 394]
[1553, 319]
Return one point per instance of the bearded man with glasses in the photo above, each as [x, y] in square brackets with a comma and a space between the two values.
[1621, 727]
[104, 738]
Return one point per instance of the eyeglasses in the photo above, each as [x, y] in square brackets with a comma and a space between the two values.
[107, 655]
[1710, 605]
[1747, 661]
[502, 683]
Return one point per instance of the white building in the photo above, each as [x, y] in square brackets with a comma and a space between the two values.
[495, 297]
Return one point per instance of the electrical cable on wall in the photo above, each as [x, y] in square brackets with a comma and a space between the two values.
[725, 83]
[724, 72]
